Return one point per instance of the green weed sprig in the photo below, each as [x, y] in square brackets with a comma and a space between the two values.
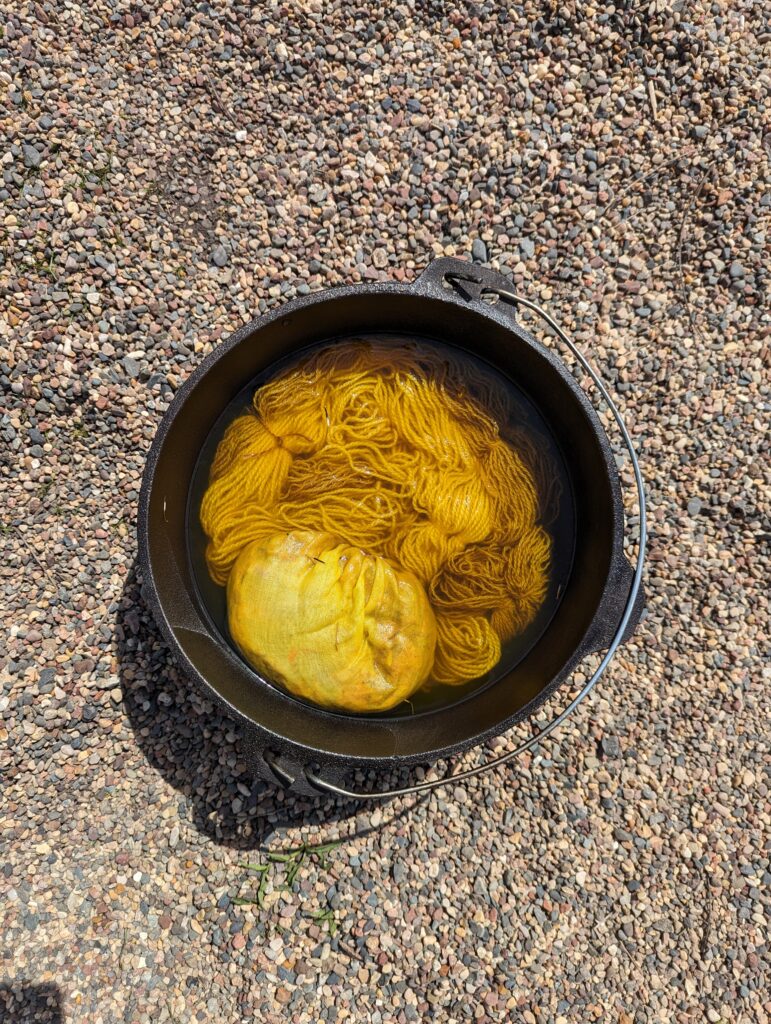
[294, 859]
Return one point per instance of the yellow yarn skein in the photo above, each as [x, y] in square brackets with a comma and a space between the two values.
[411, 454]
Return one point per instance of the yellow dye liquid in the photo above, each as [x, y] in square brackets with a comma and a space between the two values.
[380, 459]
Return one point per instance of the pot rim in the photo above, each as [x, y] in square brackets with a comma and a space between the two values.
[425, 286]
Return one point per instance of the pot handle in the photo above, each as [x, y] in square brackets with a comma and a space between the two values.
[473, 280]
[469, 280]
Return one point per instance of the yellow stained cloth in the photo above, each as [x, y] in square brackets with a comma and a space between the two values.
[409, 453]
[331, 623]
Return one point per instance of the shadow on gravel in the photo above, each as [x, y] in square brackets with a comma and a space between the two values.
[198, 750]
[30, 1004]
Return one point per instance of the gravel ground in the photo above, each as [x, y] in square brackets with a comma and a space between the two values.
[170, 170]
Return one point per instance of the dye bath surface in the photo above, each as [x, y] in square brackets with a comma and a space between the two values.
[561, 529]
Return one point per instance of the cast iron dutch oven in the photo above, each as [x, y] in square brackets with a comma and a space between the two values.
[311, 750]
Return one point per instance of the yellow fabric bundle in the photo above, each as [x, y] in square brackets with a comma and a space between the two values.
[345, 629]
[397, 450]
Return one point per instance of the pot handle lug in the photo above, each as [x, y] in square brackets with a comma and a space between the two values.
[623, 613]
[280, 769]
[471, 281]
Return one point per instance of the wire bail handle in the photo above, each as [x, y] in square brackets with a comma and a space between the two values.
[472, 288]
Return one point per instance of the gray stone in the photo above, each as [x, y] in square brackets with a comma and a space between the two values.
[479, 251]
[610, 747]
[219, 256]
[32, 158]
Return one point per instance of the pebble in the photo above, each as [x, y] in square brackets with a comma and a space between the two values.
[219, 256]
[131, 366]
[32, 157]
[479, 251]
[170, 174]
[611, 747]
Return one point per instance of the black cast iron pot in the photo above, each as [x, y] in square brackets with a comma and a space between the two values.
[304, 747]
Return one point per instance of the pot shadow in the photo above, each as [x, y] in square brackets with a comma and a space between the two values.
[202, 752]
[21, 1003]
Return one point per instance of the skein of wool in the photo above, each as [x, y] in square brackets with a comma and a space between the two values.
[410, 454]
